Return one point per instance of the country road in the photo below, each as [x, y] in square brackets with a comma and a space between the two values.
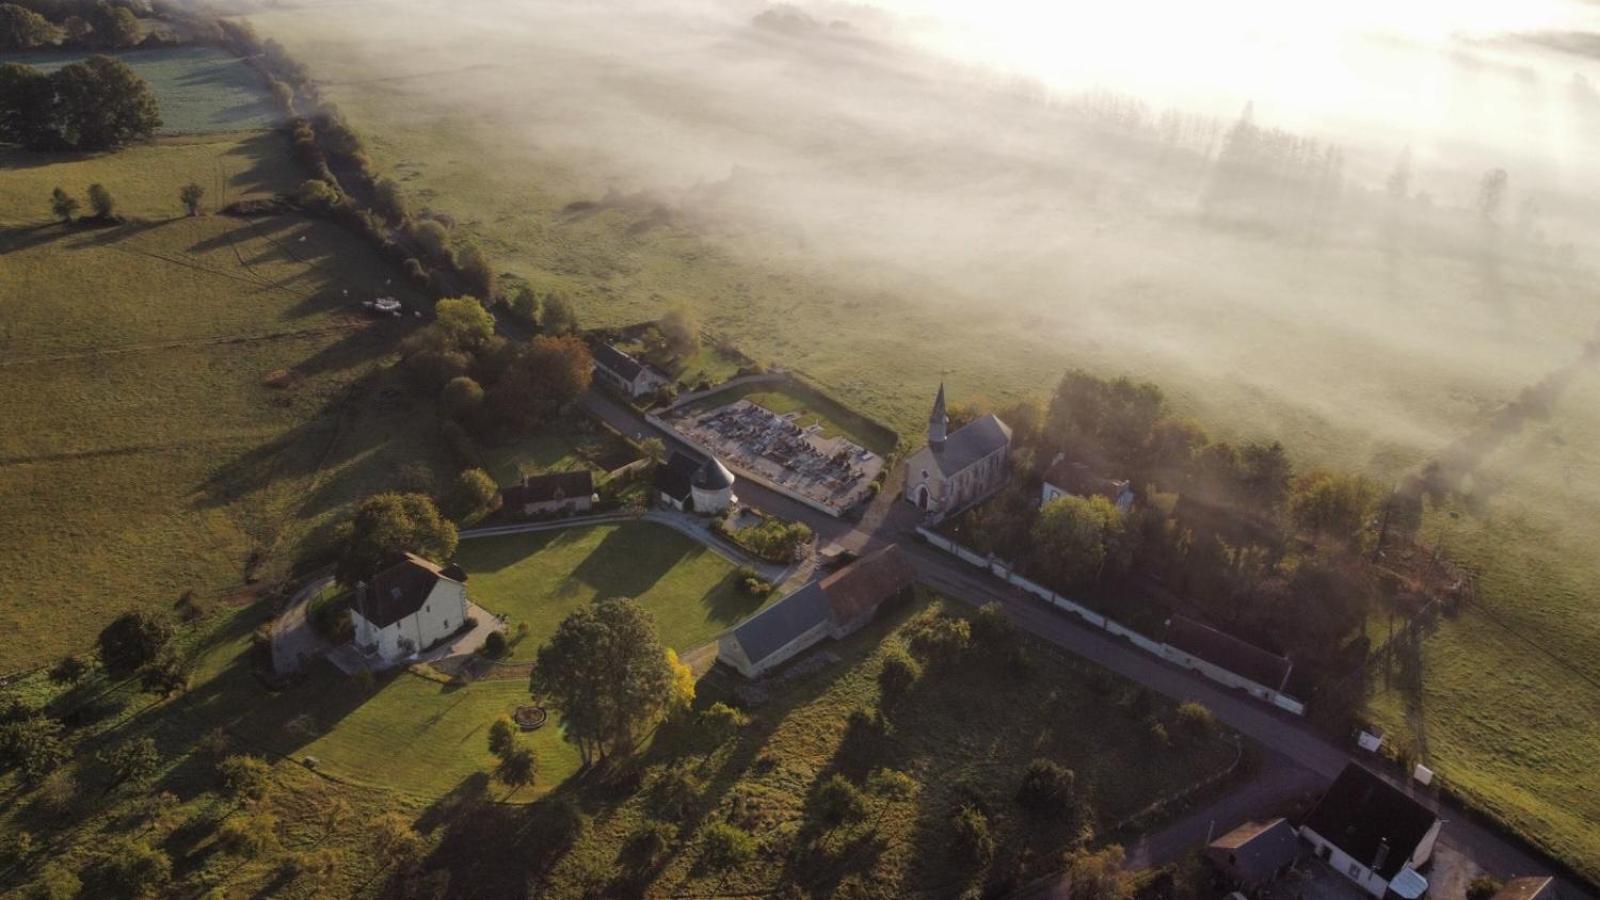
[1291, 740]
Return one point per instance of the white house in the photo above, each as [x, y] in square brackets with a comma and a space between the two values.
[688, 484]
[409, 607]
[628, 375]
[956, 470]
[1372, 833]
[1065, 478]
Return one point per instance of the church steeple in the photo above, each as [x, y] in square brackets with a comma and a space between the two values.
[938, 421]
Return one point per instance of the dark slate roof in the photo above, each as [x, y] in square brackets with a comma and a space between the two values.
[938, 416]
[544, 488]
[1257, 849]
[1078, 479]
[673, 478]
[859, 588]
[1529, 887]
[970, 443]
[712, 476]
[1227, 651]
[612, 359]
[399, 590]
[1361, 811]
[769, 630]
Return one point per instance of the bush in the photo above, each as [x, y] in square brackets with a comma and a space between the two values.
[1158, 733]
[674, 795]
[68, 670]
[648, 842]
[721, 721]
[1195, 720]
[502, 736]
[495, 646]
[839, 802]
[939, 638]
[244, 777]
[136, 867]
[971, 839]
[896, 676]
[461, 398]
[55, 882]
[725, 846]
[1049, 790]
[891, 784]
[991, 629]
[247, 836]
[1483, 887]
[34, 745]
[474, 493]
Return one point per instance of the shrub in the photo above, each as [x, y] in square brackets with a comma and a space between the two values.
[33, 744]
[1483, 887]
[891, 784]
[55, 882]
[896, 676]
[1196, 720]
[68, 670]
[57, 793]
[1049, 790]
[1158, 733]
[502, 736]
[495, 646]
[839, 802]
[725, 846]
[721, 721]
[475, 493]
[938, 638]
[674, 794]
[971, 839]
[991, 629]
[245, 777]
[648, 842]
[132, 762]
[136, 867]
[247, 836]
[165, 675]
[1019, 663]
[316, 195]
[461, 397]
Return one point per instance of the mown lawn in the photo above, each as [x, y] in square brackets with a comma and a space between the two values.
[188, 399]
[199, 89]
[569, 444]
[537, 579]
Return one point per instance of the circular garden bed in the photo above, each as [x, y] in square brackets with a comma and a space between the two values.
[529, 717]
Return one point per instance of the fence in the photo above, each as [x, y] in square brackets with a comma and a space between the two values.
[1006, 572]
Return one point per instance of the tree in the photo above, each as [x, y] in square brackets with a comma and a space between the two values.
[435, 241]
[68, 670]
[34, 745]
[248, 836]
[131, 641]
[517, 768]
[839, 802]
[546, 378]
[1074, 537]
[494, 646]
[55, 882]
[24, 29]
[136, 867]
[1398, 185]
[97, 104]
[133, 762]
[896, 675]
[1099, 875]
[1265, 475]
[524, 304]
[1049, 790]
[606, 673]
[681, 332]
[721, 722]
[461, 398]
[463, 322]
[113, 26]
[75, 30]
[725, 846]
[317, 195]
[165, 675]
[475, 493]
[190, 196]
[1102, 422]
[386, 199]
[992, 629]
[475, 268]
[244, 777]
[63, 205]
[970, 836]
[1332, 504]
[558, 317]
[386, 526]
[654, 449]
[502, 736]
[101, 202]
[681, 693]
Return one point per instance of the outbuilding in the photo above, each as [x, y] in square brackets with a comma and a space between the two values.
[1372, 833]
[1255, 853]
[690, 484]
[544, 494]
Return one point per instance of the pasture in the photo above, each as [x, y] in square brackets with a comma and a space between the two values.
[1094, 258]
[200, 89]
[189, 398]
[536, 579]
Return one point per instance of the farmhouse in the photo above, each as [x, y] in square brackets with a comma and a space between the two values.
[956, 470]
[1075, 478]
[542, 494]
[628, 375]
[689, 484]
[1373, 834]
[1255, 853]
[1224, 658]
[832, 607]
[409, 606]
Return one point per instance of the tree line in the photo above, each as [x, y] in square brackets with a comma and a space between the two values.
[90, 24]
[97, 104]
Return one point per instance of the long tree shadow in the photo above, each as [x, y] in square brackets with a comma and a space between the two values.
[628, 562]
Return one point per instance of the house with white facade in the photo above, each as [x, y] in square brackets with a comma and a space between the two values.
[1372, 833]
[409, 607]
[557, 492]
[831, 607]
[956, 470]
[689, 484]
[628, 375]
[1066, 478]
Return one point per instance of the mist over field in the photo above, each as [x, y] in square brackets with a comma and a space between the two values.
[1078, 185]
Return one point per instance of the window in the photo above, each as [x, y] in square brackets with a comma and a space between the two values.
[446, 624]
[924, 474]
[1355, 871]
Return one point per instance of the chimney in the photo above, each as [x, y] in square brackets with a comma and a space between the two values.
[1382, 854]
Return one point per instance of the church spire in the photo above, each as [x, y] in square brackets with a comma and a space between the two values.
[938, 421]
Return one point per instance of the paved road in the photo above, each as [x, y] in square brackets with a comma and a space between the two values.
[1278, 733]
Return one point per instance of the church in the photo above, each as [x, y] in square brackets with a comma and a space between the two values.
[957, 470]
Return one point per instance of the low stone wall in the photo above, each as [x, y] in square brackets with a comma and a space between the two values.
[1006, 572]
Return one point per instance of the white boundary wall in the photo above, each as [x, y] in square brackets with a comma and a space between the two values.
[1003, 570]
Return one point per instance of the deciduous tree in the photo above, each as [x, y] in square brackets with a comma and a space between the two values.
[1075, 538]
[558, 317]
[64, 205]
[680, 330]
[101, 201]
[388, 525]
[132, 640]
[24, 29]
[190, 196]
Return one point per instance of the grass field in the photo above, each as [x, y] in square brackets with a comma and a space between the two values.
[562, 446]
[539, 578]
[189, 398]
[200, 89]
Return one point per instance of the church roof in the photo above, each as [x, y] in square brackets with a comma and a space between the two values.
[970, 443]
[939, 415]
